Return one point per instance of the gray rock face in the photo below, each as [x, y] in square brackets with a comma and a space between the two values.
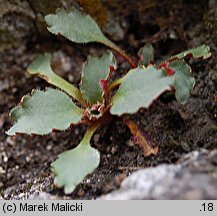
[194, 177]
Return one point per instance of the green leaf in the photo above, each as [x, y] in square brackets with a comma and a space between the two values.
[43, 112]
[198, 52]
[72, 166]
[80, 28]
[41, 67]
[94, 77]
[184, 82]
[75, 26]
[146, 55]
[139, 88]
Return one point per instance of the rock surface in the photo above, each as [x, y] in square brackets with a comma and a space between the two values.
[193, 177]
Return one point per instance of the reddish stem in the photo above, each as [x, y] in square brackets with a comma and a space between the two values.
[121, 52]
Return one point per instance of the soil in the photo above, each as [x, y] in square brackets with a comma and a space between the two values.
[177, 129]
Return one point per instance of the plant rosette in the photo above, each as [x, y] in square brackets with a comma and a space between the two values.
[42, 112]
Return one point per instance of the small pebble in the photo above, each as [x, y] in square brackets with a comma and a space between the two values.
[113, 150]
